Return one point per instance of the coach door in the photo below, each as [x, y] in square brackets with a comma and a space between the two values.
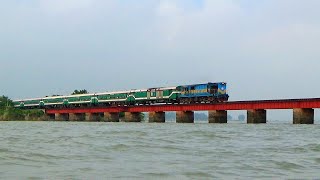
[151, 93]
[148, 94]
[159, 94]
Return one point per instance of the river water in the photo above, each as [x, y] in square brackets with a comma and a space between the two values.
[75, 150]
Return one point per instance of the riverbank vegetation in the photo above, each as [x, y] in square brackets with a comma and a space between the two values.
[9, 113]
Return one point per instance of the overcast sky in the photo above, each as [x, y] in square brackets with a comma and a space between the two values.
[263, 49]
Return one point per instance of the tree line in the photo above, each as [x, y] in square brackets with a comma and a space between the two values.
[82, 91]
[9, 113]
[5, 102]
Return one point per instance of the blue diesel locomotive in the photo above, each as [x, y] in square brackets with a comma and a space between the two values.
[203, 93]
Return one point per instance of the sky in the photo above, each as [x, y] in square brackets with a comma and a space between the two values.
[266, 49]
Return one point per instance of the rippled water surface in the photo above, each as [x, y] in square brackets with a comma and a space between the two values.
[64, 150]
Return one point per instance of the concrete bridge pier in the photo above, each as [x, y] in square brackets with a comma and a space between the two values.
[77, 117]
[93, 117]
[132, 117]
[217, 116]
[303, 116]
[157, 117]
[185, 117]
[256, 116]
[50, 117]
[111, 117]
[61, 117]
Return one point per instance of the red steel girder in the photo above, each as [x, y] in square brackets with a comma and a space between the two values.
[236, 105]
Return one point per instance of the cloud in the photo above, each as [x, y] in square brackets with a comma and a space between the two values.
[290, 40]
[64, 6]
[113, 45]
[179, 25]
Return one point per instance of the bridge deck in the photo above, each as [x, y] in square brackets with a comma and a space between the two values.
[231, 105]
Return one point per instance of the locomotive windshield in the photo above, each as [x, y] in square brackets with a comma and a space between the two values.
[213, 89]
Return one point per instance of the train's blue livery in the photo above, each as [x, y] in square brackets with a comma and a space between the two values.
[211, 91]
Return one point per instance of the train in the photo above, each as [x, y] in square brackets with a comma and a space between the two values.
[183, 94]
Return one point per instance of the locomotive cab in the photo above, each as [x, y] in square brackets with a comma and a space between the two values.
[222, 92]
[213, 89]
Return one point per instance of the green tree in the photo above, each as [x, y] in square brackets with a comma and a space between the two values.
[83, 91]
[5, 102]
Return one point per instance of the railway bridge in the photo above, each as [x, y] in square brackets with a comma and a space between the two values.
[303, 111]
